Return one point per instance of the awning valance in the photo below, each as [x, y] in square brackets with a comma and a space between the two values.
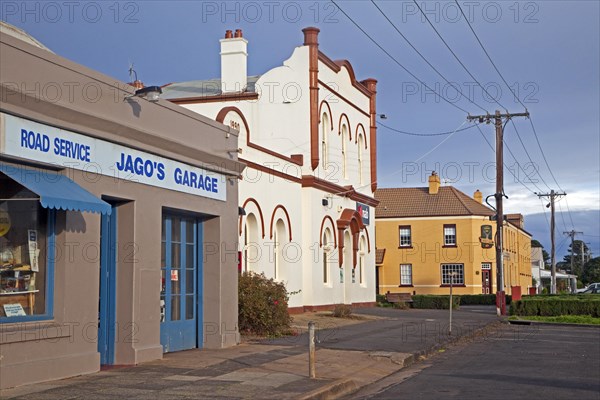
[56, 191]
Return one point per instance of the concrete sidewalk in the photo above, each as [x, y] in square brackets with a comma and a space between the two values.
[350, 355]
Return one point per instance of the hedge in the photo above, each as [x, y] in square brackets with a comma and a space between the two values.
[557, 305]
[430, 301]
[480, 299]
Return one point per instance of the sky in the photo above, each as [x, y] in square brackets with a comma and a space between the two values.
[547, 51]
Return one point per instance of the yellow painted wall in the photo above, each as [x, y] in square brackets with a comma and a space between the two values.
[428, 253]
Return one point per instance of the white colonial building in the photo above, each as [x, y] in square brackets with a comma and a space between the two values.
[308, 137]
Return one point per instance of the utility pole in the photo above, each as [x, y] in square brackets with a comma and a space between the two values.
[497, 117]
[572, 234]
[552, 196]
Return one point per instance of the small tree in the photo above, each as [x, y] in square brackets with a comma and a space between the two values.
[591, 271]
[262, 308]
[576, 253]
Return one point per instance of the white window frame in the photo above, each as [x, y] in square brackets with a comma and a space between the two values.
[449, 235]
[405, 227]
[406, 277]
[458, 269]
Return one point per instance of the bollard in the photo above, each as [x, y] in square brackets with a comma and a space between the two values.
[311, 350]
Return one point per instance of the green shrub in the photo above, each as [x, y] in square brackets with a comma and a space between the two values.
[439, 302]
[342, 311]
[557, 305]
[262, 306]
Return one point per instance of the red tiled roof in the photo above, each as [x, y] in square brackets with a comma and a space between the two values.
[417, 202]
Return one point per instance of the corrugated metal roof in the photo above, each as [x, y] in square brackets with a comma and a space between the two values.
[417, 202]
[200, 88]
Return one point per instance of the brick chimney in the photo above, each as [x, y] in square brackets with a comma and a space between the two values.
[234, 62]
[478, 196]
[434, 183]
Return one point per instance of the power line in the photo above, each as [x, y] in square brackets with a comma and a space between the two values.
[395, 60]
[487, 54]
[424, 134]
[514, 94]
[509, 170]
[527, 153]
[424, 58]
[569, 211]
[455, 56]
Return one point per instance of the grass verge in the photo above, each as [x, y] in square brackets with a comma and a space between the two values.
[563, 319]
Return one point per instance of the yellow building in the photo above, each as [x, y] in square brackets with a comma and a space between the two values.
[426, 236]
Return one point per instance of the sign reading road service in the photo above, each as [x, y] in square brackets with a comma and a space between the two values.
[34, 141]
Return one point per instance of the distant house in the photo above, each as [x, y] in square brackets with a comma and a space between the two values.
[427, 236]
[308, 138]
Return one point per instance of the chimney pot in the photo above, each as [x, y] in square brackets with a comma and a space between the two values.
[228, 34]
[238, 33]
[311, 36]
[434, 183]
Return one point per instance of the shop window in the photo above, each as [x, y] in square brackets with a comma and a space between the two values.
[453, 273]
[26, 234]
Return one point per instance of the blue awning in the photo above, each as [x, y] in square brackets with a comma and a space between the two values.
[56, 191]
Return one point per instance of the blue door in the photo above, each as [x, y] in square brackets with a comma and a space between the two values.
[108, 295]
[180, 300]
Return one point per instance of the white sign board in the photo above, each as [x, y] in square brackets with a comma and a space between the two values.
[14, 310]
[39, 142]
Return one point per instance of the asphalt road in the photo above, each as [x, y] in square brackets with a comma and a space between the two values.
[511, 362]
[405, 331]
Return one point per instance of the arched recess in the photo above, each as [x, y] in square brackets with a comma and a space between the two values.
[260, 213]
[361, 259]
[341, 123]
[280, 268]
[327, 238]
[325, 219]
[349, 219]
[287, 217]
[360, 129]
[226, 110]
[326, 127]
[366, 232]
[325, 104]
[251, 250]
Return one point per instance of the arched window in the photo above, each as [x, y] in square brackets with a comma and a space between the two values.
[251, 249]
[327, 249]
[344, 151]
[361, 142]
[324, 134]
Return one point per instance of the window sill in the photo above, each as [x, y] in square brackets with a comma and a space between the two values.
[405, 247]
[18, 332]
[457, 285]
[405, 285]
[449, 245]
